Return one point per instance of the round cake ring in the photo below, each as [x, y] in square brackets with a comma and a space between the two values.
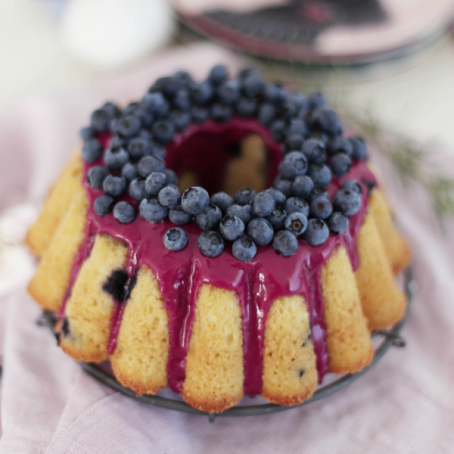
[391, 338]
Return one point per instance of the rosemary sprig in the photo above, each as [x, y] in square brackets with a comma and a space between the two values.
[411, 161]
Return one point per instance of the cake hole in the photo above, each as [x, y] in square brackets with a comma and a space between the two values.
[225, 157]
[188, 179]
[230, 338]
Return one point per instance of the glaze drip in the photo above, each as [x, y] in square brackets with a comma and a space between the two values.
[257, 283]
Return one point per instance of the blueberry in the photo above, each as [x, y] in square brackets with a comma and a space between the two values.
[221, 113]
[116, 158]
[321, 208]
[158, 151]
[87, 133]
[150, 164]
[297, 126]
[131, 109]
[218, 74]
[211, 243]
[231, 227]
[320, 136]
[100, 120]
[296, 223]
[180, 119]
[96, 176]
[352, 185]
[104, 205]
[340, 145]
[163, 131]
[124, 212]
[246, 72]
[359, 148]
[261, 231]
[340, 164]
[274, 93]
[154, 102]
[195, 200]
[244, 196]
[285, 243]
[314, 150]
[163, 112]
[139, 147]
[129, 171]
[293, 142]
[129, 126]
[283, 185]
[315, 100]
[337, 223]
[167, 85]
[183, 80]
[112, 109]
[288, 108]
[277, 219]
[242, 211]
[171, 177]
[318, 191]
[137, 189]
[278, 196]
[209, 219]
[175, 239]
[347, 202]
[151, 210]
[222, 200]
[244, 249]
[302, 186]
[320, 174]
[114, 185]
[277, 130]
[296, 205]
[229, 92]
[182, 101]
[202, 93]
[114, 126]
[91, 150]
[119, 142]
[253, 85]
[155, 182]
[178, 216]
[199, 114]
[263, 204]
[145, 116]
[246, 107]
[325, 119]
[293, 165]
[169, 196]
[266, 114]
[299, 100]
[317, 232]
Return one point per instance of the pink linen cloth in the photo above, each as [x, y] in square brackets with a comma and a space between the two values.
[49, 405]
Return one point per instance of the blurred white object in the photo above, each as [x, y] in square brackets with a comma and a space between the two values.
[113, 33]
[16, 263]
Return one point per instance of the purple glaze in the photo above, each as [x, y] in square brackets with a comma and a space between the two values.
[258, 283]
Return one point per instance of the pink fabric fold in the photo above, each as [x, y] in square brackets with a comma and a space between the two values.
[49, 405]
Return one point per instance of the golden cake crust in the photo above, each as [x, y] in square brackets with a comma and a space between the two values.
[355, 303]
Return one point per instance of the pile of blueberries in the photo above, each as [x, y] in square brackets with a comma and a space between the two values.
[298, 205]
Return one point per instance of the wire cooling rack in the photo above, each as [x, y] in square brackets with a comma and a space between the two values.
[383, 341]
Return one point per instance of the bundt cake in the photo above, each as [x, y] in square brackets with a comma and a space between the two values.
[216, 286]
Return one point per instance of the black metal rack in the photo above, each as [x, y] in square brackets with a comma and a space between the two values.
[391, 338]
